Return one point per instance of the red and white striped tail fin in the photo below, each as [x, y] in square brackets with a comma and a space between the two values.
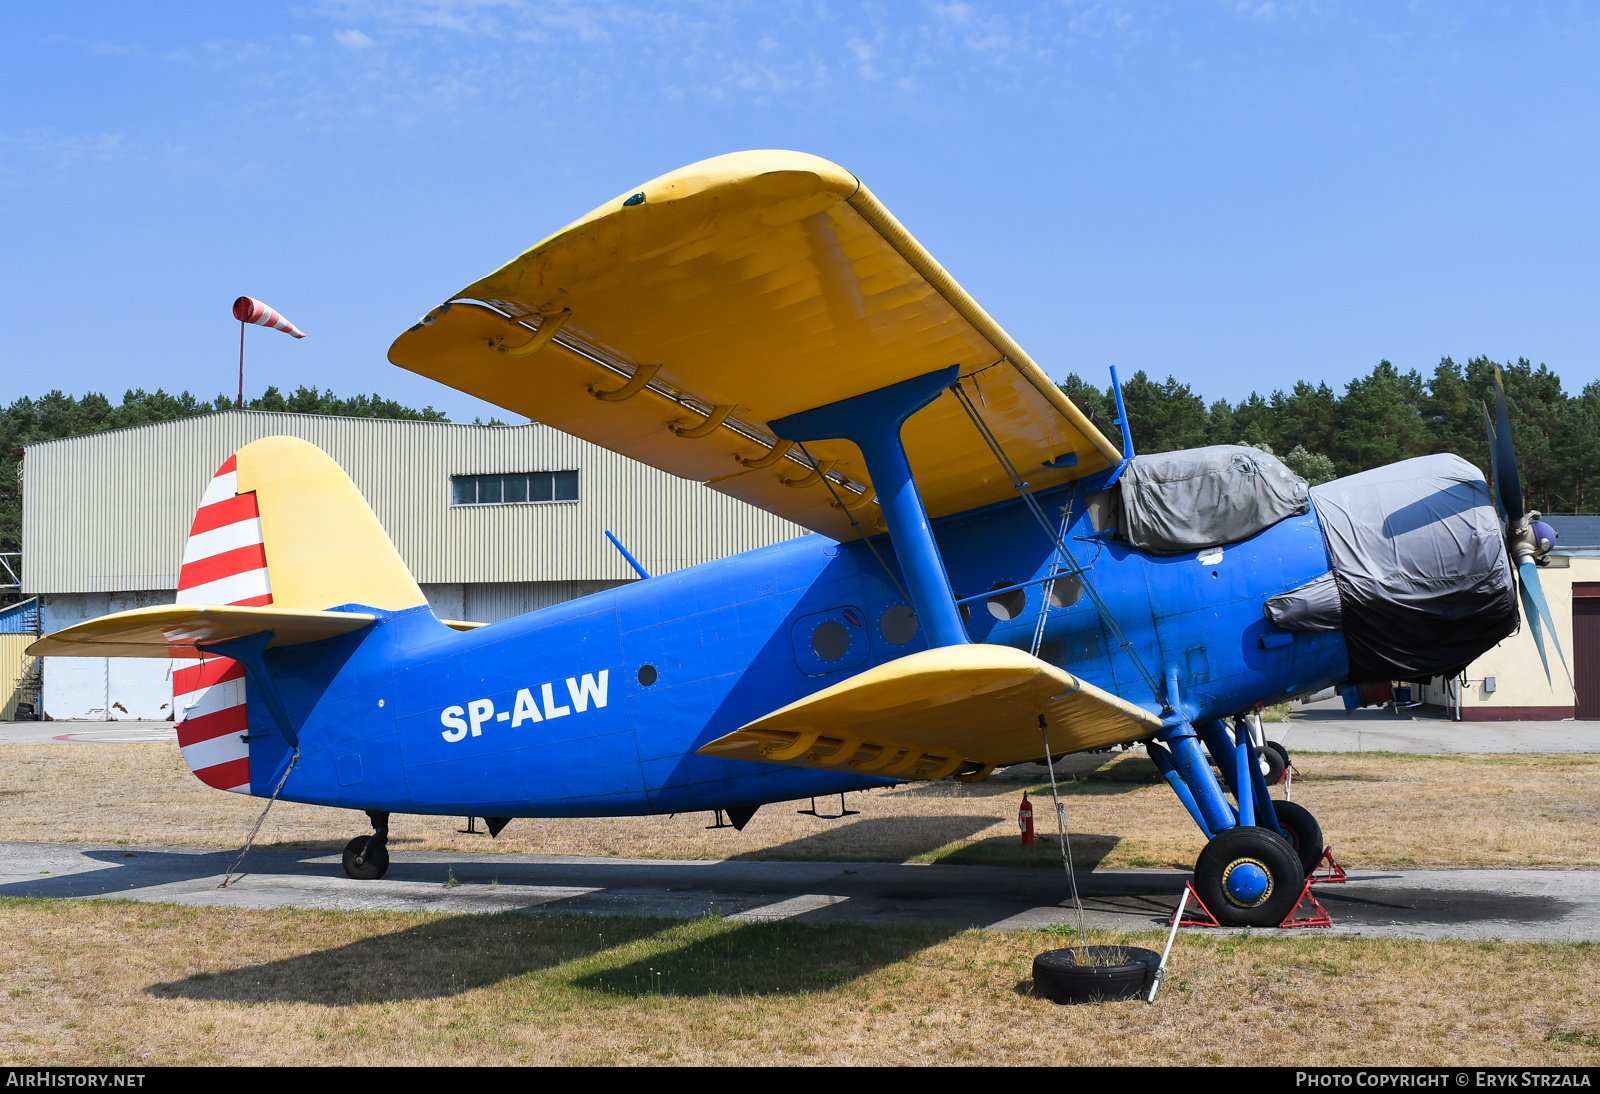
[224, 563]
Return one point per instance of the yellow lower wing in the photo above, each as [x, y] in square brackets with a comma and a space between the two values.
[958, 710]
[171, 630]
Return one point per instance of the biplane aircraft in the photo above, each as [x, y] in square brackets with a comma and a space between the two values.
[990, 578]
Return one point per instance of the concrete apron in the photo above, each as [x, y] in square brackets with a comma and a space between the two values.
[1514, 905]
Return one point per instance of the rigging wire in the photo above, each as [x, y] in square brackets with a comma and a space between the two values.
[1056, 571]
[854, 524]
[1078, 571]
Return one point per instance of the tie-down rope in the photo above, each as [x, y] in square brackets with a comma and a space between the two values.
[227, 877]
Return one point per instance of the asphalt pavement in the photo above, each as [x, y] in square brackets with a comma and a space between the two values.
[1524, 905]
[87, 733]
[1328, 727]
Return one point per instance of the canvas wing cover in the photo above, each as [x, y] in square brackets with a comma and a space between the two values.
[673, 322]
[956, 710]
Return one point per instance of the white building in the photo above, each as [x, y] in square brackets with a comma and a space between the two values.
[493, 521]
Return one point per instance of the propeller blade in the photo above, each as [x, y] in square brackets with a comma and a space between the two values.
[1536, 609]
[1494, 465]
[1504, 458]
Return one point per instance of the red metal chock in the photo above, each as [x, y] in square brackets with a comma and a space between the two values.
[1194, 902]
[1335, 874]
[1316, 915]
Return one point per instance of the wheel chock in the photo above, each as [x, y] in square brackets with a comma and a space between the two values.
[1190, 917]
[1335, 874]
[1301, 915]
[1314, 916]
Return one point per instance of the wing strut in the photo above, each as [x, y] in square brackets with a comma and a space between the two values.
[1059, 539]
[872, 422]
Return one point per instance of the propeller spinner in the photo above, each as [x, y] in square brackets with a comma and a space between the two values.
[1528, 538]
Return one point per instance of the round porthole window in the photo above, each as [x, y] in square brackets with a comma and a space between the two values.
[647, 675]
[1009, 604]
[1065, 591]
[898, 624]
[830, 641]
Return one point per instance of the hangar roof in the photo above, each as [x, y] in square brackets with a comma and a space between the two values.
[110, 511]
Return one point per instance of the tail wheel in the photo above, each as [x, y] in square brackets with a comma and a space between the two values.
[1249, 877]
[1302, 831]
[364, 863]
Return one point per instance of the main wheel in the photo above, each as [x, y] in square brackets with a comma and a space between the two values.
[369, 868]
[1273, 764]
[1249, 877]
[1302, 831]
[1283, 754]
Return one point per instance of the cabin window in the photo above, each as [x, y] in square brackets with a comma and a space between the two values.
[899, 624]
[517, 488]
[830, 641]
[1065, 591]
[1008, 604]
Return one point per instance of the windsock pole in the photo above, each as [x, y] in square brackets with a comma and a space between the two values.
[247, 310]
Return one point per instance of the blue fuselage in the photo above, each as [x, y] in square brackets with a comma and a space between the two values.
[595, 707]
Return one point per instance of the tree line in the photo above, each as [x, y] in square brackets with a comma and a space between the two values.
[1321, 434]
[1385, 416]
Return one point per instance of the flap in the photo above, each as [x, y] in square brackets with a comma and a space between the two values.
[957, 710]
[677, 320]
[171, 630]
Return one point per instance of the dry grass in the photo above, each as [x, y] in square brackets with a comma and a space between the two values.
[1378, 810]
[103, 983]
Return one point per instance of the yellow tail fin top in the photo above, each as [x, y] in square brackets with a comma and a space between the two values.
[324, 545]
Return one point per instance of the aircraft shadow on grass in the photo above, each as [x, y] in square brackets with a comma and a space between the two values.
[902, 839]
[448, 957]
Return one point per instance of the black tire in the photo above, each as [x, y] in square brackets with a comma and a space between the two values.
[1264, 857]
[1058, 977]
[1273, 760]
[1282, 752]
[1302, 831]
[372, 867]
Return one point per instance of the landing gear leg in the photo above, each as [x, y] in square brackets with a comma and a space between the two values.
[366, 858]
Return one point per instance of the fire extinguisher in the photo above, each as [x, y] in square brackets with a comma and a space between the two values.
[1025, 820]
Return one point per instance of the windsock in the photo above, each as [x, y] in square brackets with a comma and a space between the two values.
[247, 309]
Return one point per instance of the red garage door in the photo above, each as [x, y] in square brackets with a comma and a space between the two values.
[1586, 647]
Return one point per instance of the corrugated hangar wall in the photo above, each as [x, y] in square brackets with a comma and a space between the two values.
[109, 512]
[106, 515]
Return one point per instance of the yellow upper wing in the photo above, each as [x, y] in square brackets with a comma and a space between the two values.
[956, 710]
[672, 323]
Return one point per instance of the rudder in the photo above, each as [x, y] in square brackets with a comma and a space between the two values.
[281, 525]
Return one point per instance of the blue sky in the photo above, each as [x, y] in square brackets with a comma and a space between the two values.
[1239, 194]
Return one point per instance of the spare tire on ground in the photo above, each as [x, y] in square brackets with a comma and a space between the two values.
[1111, 973]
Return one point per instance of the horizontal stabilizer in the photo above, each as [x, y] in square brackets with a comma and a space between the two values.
[171, 630]
[957, 710]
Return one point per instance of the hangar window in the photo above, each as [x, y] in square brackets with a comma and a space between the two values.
[514, 489]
